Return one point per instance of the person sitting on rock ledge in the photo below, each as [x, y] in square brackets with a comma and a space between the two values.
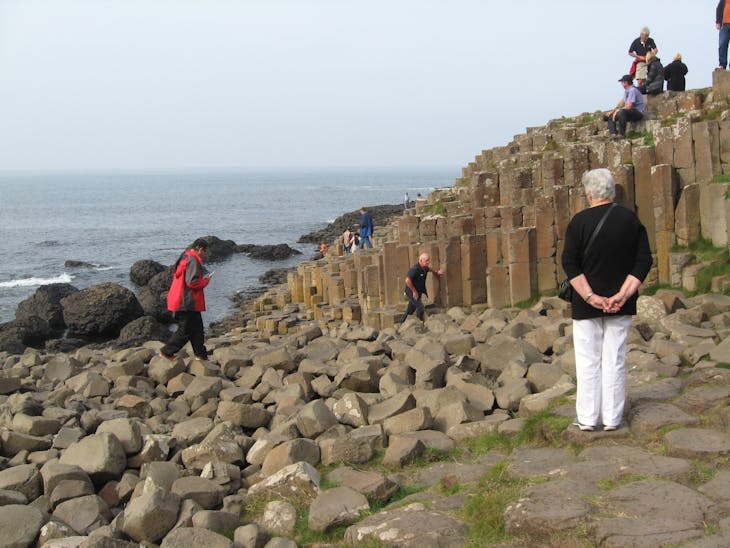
[416, 286]
[186, 300]
[629, 109]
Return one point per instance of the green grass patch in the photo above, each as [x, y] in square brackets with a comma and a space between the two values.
[702, 472]
[462, 181]
[608, 484]
[540, 429]
[527, 303]
[306, 537]
[647, 136]
[551, 146]
[485, 510]
[720, 267]
[376, 505]
[435, 209]
[723, 366]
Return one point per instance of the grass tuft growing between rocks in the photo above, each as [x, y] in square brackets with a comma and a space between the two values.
[541, 429]
[485, 510]
[608, 484]
[435, 209]
[304, 536]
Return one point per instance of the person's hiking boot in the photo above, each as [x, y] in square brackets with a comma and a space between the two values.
[168, 357]
[583, 427]
[202, 358]
[609, 428]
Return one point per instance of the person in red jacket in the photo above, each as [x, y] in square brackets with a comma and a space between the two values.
[186, 301]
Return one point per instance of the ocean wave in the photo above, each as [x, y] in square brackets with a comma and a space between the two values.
[30, 282]
[101, 268]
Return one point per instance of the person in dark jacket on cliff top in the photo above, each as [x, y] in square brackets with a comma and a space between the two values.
[654, 83]
[674, 74]
[186, 300]
[366, 228]
[416, 285]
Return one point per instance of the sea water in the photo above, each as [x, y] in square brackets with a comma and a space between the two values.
[112, 220]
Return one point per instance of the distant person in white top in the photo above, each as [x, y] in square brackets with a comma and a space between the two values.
[406, 201]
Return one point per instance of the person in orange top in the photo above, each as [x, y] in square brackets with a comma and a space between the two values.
[722, 23]
[323, 248]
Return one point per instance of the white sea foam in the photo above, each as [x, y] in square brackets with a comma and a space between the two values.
[100, 268]
[30, 282]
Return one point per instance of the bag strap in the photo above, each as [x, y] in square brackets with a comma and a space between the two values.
[597, 229]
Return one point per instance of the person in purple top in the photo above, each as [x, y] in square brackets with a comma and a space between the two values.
[629, 109]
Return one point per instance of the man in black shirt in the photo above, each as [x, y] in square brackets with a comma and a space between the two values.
[638, 50]
[416, 285]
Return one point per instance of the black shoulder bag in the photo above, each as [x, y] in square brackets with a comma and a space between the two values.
[566, 290]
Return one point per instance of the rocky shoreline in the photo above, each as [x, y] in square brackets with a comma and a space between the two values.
[60, 316]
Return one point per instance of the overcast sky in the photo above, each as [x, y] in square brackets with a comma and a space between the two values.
[94, 85]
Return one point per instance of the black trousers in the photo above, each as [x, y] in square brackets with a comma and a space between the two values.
[189, 328]
[624, 115]
[414, 305]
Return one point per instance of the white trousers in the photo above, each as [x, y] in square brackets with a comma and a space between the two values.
[600, 368]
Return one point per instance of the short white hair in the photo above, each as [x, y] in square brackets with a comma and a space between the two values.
[645, 30]
[600, 184]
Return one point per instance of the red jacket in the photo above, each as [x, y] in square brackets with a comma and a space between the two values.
[186, 289]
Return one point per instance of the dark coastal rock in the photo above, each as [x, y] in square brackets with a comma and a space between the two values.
[380, 214]
[141, 330]
[160, 283]
[78, 264]
[100, 311]
[274, 252]
[275, 276]
[18, 334]
[154, 304]
[45, 303]
[219, 249]
[64, 345]
[143, 271]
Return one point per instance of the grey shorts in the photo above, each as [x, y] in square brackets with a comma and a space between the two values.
[641, 71]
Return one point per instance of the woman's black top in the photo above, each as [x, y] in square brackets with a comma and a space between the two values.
[674, 74]
[620, 248]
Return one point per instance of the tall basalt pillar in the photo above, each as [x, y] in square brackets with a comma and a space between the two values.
[473, 269]
[644, 191]
[450, 255]
[522, 265]
[663, 189]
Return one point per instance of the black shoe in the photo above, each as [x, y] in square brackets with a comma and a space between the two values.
[168, 357]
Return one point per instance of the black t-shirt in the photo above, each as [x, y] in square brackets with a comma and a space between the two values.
[642, 49]
[417, 275]
[620, 248]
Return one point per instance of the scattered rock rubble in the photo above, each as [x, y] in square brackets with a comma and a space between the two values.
[116, 448]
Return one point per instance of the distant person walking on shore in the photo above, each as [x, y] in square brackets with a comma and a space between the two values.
[347, 240]
[186, 300]
[722, 23]
[416, 285]
[606, 258]
[366, 228]
[628, 109]
[406, 201]
[674, 74]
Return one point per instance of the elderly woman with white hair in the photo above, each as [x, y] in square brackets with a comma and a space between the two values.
[638, 50]
[605, 274]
